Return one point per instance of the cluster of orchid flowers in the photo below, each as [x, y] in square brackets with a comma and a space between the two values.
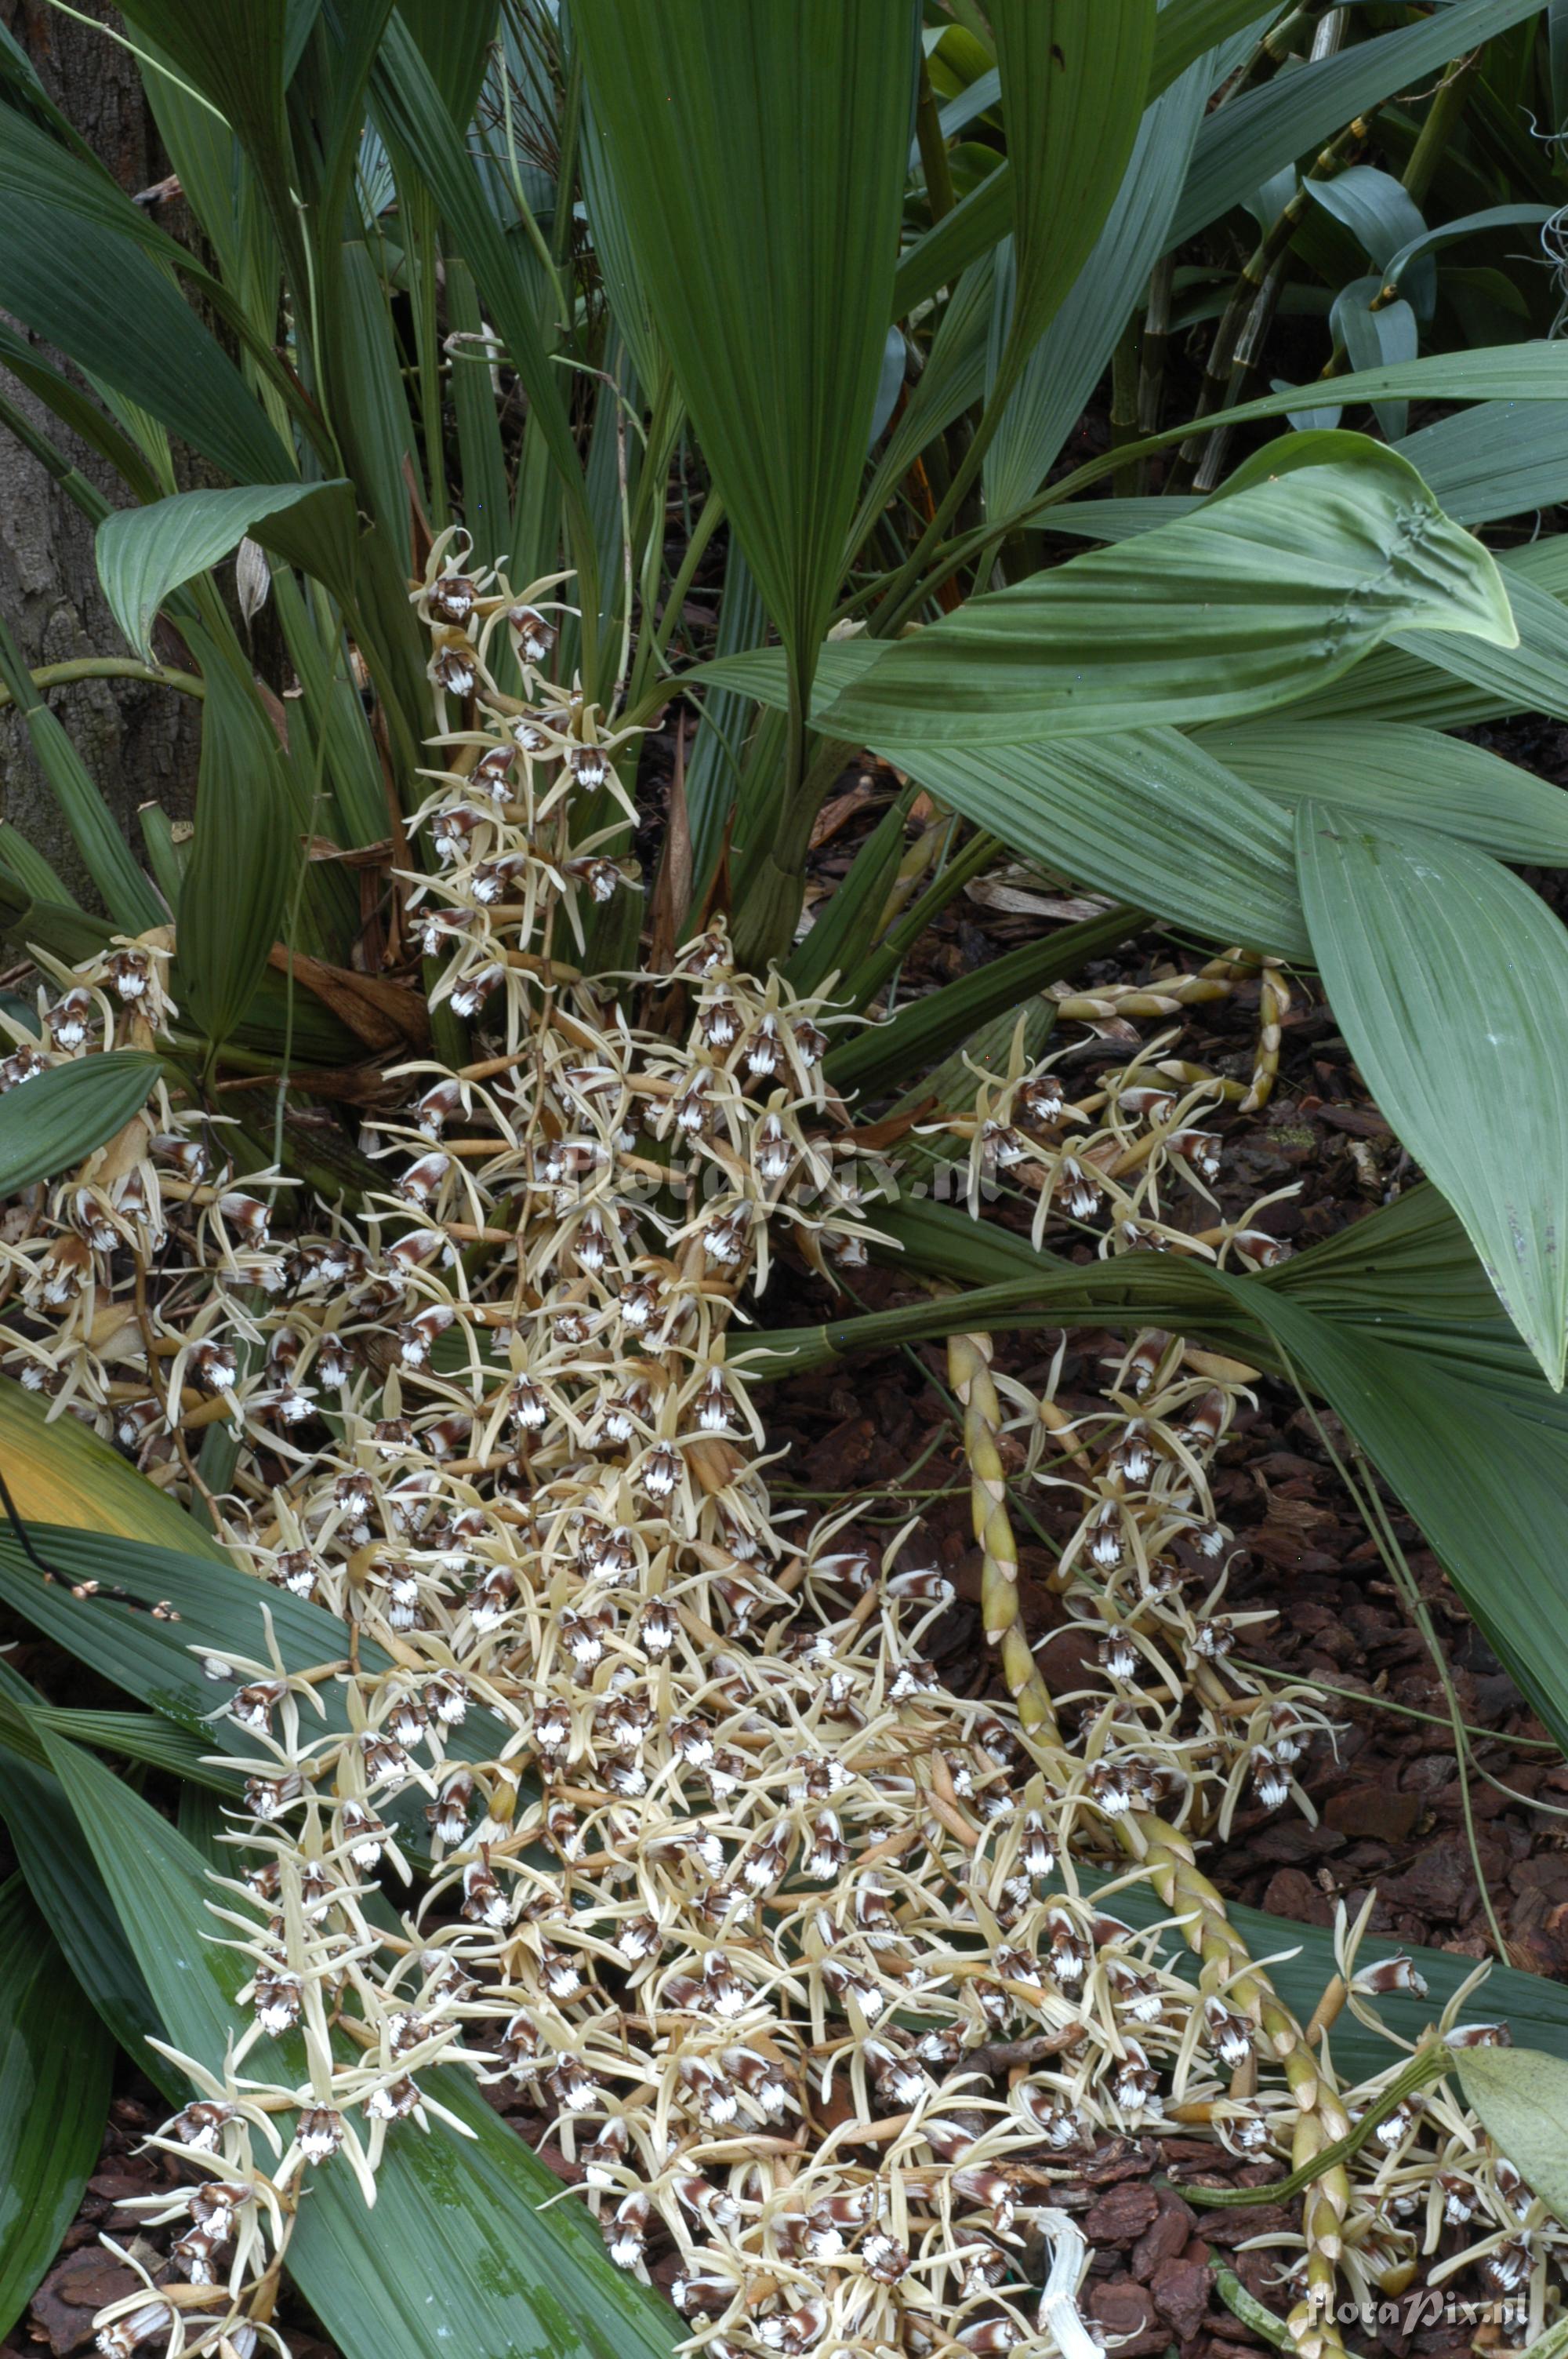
[623, 1794]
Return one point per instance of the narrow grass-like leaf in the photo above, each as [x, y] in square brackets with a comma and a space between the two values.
[1449, 977]
[1261, 594]
[55, 2059]
[759, 156]
[1394, 776]
[52, 1122]
[144, 553]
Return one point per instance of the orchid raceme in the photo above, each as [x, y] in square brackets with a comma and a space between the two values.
[639, 436]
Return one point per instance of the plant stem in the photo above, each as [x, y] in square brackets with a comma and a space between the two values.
[933, 148]
[59, 675]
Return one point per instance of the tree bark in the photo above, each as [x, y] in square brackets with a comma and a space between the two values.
[139, 743]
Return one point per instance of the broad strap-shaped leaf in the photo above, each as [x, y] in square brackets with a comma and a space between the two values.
[75, 266]
[1449, 977]
[1497, 458]
[144, 553]
[1068, 360]
[459, 2254]
[55, 2059]
[50, 1124]
[760, 157]
[238, 63]
[1395, 775]
[1074, 77]
[1521, 2097]
[236, 891]
[1146, 814]
[1183, 31]
[1241, 606]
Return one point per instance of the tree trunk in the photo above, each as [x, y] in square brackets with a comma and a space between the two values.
[139, 743]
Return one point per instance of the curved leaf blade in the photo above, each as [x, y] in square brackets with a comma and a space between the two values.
[1272, 589]
[58, 1472]
[77, 265]
[1523, 2098]
[1392, 775]
[1450, 979]
[145, 554]
[55, 2059]
[49, 1124]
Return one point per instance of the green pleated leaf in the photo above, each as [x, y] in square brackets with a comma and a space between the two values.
[1478, 1454]
[1073, 76]
[1497, 458]
[219, 1612]
[927, 1029]
[55, 2059]
[1185, 28]
[237, 62]
[51, 1123]
[1523, 2098]
[759, 156]
[1146, 814]
[1277, 586]
[1068, 360]
[67, 1887]
[457, 2255]
[1183, 31]
[1392, 776]
[1533, 677]
[26, 866]
[1449, 978]
[127, 896]
[76, 266]
[236, 890]
[844, 929]
[144, 553]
